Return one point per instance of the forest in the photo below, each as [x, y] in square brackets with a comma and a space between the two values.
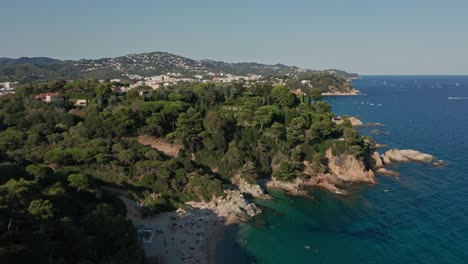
[57, 157]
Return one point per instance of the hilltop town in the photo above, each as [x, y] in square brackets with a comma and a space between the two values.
[151, 71]
[138, 66]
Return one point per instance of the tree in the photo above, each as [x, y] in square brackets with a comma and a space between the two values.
[285, 172]
[123, 122]
[234, 157]
[351, 136]
[323, 108]
[175, 97]
[127, 156]
[132, 94]
[103, 90]
[57, 156]
[283, 96]
[155, 125]
[296, 130]
[189, 125]
[16, 193]
[79, 181]
[102, 158]
[278, 131]
[171, 111]
[316, 94]
[39, 171]
[214, 121]
[41, 209]
[263, 90]
[11, 139]
[264, 115]
[321, 127]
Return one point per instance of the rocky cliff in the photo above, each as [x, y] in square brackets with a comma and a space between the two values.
[249, 188]
[355, 121]
[233, 207]
[347, 168]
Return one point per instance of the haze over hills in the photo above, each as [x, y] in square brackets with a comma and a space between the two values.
[143, 64]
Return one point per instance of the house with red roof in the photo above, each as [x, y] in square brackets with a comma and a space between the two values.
[49, 97]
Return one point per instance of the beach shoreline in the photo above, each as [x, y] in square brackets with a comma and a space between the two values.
[212, 242]
[181, 236]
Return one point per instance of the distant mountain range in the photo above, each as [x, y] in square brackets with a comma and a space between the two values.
[143, 64]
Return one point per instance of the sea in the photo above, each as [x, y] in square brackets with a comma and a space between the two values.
[419, 217]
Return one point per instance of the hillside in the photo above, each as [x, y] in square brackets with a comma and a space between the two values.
[144, 64]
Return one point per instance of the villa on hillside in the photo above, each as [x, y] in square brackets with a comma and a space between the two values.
[81, 102]
[49, 97]
[145, 93]
[9, 85]
[298, 92]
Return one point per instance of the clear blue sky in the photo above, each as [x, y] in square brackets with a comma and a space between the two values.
[368, 37]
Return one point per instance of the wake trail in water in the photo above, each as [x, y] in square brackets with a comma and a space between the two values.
[458, 98]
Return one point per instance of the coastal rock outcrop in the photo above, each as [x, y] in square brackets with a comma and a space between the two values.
[291, 187]
[343, 168]
[378, 145]
[354, 120]
[327, 182]
[347, 92]
[347, 168]
[384, 171]
[233, 207]
[440, 163]
[253, 189]
[406, 155]
[376, 161]
[386, 160]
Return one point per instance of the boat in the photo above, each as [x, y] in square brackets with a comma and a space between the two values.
[307, 247]
[458, 98]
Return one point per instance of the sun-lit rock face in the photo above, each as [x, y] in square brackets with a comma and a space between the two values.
[406, 155]
[347, 168]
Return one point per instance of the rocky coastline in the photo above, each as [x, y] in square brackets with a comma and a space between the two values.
[346, 169]
[350, 93]
[235, 206]
[355, 122]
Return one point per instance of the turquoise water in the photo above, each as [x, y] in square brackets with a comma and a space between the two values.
[421, 218]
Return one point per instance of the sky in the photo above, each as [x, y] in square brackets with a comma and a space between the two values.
[363, 36]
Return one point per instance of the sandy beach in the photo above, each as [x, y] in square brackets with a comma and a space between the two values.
[179, 236]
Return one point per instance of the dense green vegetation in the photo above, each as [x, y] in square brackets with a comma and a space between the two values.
[56, 157]
[49, 217]
[326, 82]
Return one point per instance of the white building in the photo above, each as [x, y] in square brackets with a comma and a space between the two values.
[81, 102]
[145, 93]
[9, 85]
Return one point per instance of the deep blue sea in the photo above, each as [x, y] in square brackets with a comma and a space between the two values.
[420, 217]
